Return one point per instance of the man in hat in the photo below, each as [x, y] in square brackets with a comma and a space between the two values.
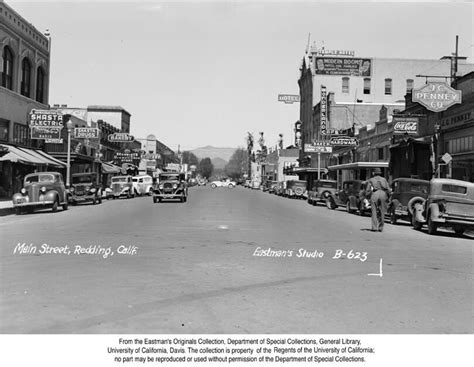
[378, 190]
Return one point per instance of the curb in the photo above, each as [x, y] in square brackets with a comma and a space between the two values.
[6, 211]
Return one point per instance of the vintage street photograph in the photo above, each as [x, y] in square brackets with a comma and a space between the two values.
[236, 167]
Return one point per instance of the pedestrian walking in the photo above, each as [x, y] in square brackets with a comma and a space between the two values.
[378, 190]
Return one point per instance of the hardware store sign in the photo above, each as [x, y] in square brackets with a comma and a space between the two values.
[437, 97]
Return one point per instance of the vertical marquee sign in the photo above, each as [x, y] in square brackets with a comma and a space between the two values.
[323, 111]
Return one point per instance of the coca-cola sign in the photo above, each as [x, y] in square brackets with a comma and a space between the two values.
[405, 125]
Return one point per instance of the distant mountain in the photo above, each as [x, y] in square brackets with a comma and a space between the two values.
[214, 152]
[219, 163]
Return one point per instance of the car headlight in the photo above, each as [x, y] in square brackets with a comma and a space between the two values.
[93, 190]
[175, 186]
[23, 191]
[161, 187]
[43, 189]
[71, 189]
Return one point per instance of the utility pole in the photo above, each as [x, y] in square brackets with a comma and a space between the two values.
[454, 61]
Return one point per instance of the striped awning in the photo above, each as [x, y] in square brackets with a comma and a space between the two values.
[30, 157]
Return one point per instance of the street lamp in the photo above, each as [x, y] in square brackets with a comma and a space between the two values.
[69, 126]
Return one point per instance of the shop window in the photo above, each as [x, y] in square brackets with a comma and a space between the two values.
[4, 129]
[366, 85]
[388, 86]
[345, 85]
[25, 77]
[7, 73]
[409, 85]
[40, 85]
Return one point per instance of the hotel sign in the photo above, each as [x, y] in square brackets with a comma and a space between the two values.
[436, 97]
[405, 125]
[343, 66]
[288, 98]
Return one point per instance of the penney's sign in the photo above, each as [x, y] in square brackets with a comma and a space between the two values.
[436, 97]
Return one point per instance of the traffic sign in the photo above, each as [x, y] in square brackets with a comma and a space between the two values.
[446, 158]
[120, 137]
[345, 141]
[86, 133]
[436, 96]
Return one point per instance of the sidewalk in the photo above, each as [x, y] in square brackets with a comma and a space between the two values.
[6, 207]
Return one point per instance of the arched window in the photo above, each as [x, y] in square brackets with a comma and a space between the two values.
[25, 77]
[40, 85]
[7, 71]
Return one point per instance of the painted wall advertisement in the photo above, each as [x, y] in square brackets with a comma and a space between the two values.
[343, 66]
[405, 125]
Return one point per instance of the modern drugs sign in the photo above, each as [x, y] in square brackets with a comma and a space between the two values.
[405, 125]
[436, 97]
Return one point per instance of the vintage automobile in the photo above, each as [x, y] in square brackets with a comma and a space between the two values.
[143, 185]
[450, 203]
[122, 186]
[351, 196]
[223, 183]
[321, 190]
[280, 188]
[171, 185]
[84, 188]
[296, 189]
[41, 190]
[272, 187]
[405, 193]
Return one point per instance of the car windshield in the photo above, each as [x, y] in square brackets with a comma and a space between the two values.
[119, 179]
[169, 177]
[81, 179]
[326, 184]
[39, 178]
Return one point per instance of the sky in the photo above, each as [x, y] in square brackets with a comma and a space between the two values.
[197, 73]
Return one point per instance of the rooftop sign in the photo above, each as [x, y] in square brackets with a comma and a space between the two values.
[436, 97]
[343, 66]
[288, 98]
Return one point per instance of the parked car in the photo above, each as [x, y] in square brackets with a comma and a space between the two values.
[247, 183]
[171, 185]
[223, 183]
[267, 185]
[296, 189]
[279, 188]
[359, 202]
[405, 193]
[107, 193]
[41, 190]
[347, 196]
[272, 187]
[143, 185]
[255, 184]
[122, 186]
[321, 190]
[450, 203]
[85, 188]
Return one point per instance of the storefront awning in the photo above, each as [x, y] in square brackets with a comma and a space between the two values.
[110, 168]
[46, 158]
[297, 170]
[23, 156]
[358, 165]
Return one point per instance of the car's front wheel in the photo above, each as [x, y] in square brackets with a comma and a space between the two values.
[54, 208]
[213, 186]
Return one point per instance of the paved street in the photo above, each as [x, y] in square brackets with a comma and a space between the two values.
[196, 270]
